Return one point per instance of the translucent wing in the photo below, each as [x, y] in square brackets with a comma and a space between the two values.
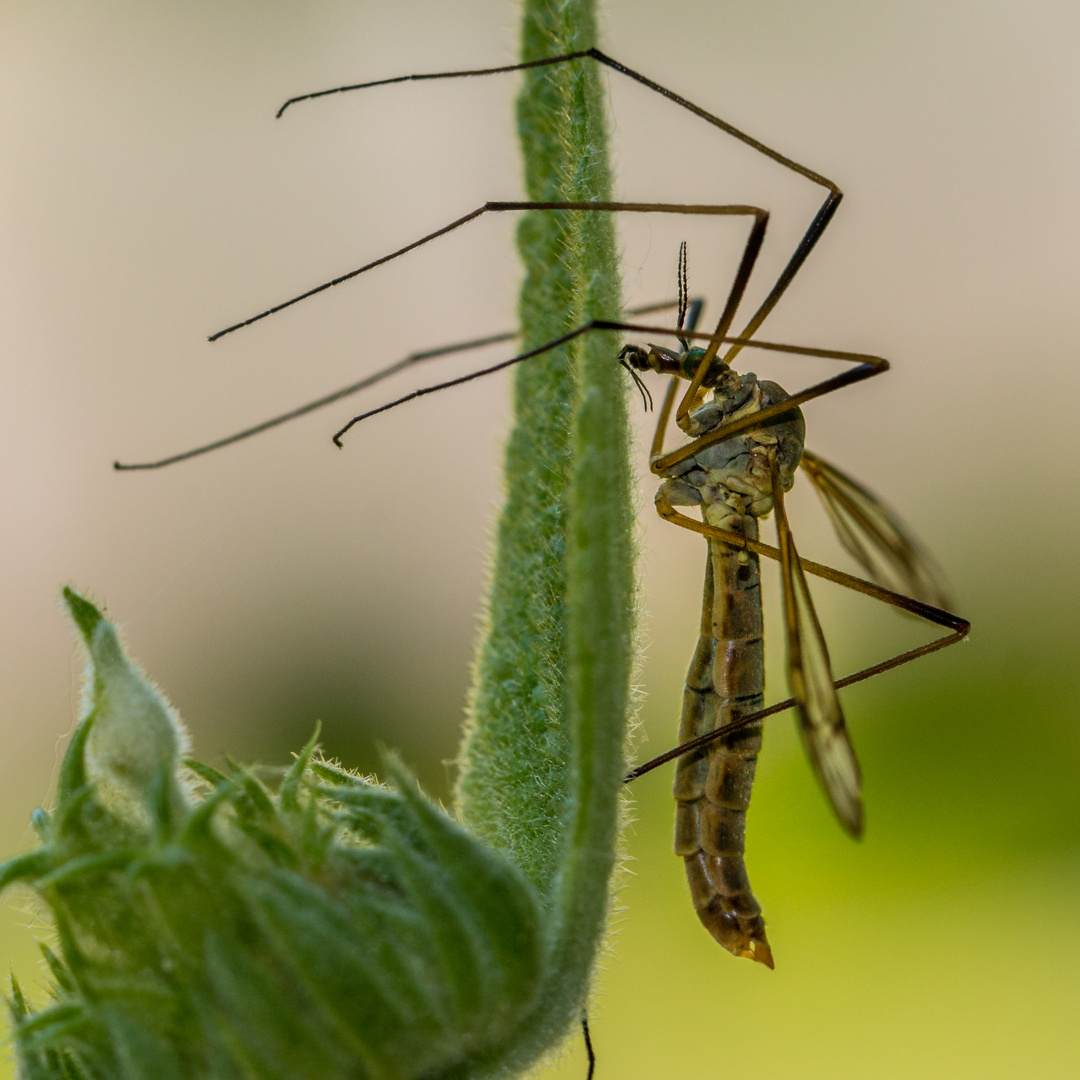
[821, 720]
[875, 536]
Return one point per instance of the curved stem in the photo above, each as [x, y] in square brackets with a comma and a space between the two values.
[543, 755]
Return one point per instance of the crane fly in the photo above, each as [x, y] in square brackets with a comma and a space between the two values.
[745, 446]
[736, 481]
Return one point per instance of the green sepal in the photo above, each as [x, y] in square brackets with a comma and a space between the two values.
[72, 782]
[25, 867]
[17, 1006]
[289, 793]
[205, 772]
[56, 967]
[83, 614]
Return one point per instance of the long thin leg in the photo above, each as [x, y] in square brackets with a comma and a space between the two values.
[663, 418]
[588, 1046]
[817, 226]
[547, 61]
[938, 616]
[353, 388]
[958, 627]
[478, 374]
[322, 402]
[868, 366]
[760, 216]
[809, 239]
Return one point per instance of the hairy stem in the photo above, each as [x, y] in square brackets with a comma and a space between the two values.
[543, 755]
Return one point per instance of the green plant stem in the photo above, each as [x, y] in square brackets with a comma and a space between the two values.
[543, 755]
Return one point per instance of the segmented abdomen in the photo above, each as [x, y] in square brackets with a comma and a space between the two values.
[712, 787]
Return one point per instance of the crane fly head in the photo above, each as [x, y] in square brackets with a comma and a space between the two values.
[720, 377]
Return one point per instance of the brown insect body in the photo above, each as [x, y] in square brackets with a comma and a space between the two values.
[713, 786]
[732, 482]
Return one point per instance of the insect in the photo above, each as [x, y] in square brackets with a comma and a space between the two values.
[746, 443]
[736, 468]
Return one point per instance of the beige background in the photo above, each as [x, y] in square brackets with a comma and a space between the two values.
[148, 197]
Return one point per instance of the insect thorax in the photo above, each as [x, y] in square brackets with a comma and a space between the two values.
[732, 479]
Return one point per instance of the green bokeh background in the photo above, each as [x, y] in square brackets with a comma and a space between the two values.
[147, 198]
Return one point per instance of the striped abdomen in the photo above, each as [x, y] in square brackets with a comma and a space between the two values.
[712, 787]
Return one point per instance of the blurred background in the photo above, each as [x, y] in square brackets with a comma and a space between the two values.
[148, 198]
